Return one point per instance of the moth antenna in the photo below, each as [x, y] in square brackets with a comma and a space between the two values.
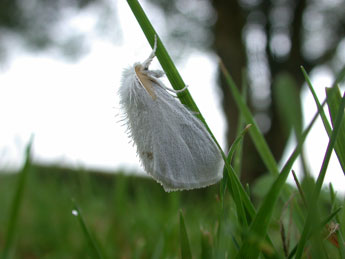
[148, 61]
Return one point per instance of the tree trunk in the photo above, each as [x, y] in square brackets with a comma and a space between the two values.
[231, 19]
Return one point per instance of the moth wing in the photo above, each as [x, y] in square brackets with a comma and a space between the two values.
[184, 156]
[173, 145]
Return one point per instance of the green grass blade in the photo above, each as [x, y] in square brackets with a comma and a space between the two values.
[334, 97]
[240, 125]
[310, 218]
[206, 245]
[234, 146]
[235, 190]
[341, 243]
[332, 194]
[258, 139]
[299, 188]
[318, 104]
[259, 226]
[237, 193]
[285, 94]
[93, 246]
[240, 195]
[16, 203]
[334, 100]
[259, 142]
[162, 55]
[288, 103]
[233, 186]
[184, 241]
[157, 254]
[329, 218]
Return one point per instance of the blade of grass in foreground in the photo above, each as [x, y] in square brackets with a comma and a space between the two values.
[341, 242]
[260, 144]
[259, 226]
[233, 188]
[206, 247]
[232, 184]
[258, 139]
[162, 55]
[322, 112]
[339, 146]
[309, 221]
[334, 100]
[237, 144]
[241, 199]
[16, 203]
[184, 241]
[233, 148]
[90, 239]
[241, 123]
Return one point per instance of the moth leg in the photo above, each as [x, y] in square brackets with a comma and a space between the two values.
[173, 90]
[148, 61]
[181, 90]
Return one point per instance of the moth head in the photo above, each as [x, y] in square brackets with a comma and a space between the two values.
[144, 79]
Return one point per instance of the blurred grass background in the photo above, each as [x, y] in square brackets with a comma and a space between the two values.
[131, 216]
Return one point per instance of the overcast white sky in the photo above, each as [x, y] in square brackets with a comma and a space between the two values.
[71, 108]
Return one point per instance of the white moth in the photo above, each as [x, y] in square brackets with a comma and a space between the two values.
[173, 145]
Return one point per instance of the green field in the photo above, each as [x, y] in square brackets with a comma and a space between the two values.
[132, 217]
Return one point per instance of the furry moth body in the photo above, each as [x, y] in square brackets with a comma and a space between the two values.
[173, 145]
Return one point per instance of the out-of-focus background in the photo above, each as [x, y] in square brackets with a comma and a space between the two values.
[61, 64]
[60, 69]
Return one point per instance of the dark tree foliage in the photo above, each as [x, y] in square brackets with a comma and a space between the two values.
[37, 25]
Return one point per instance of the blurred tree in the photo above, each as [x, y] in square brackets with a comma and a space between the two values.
[273, 37]
[38, 25]
[265, 37]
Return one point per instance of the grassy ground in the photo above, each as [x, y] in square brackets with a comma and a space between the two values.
[132, 217]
